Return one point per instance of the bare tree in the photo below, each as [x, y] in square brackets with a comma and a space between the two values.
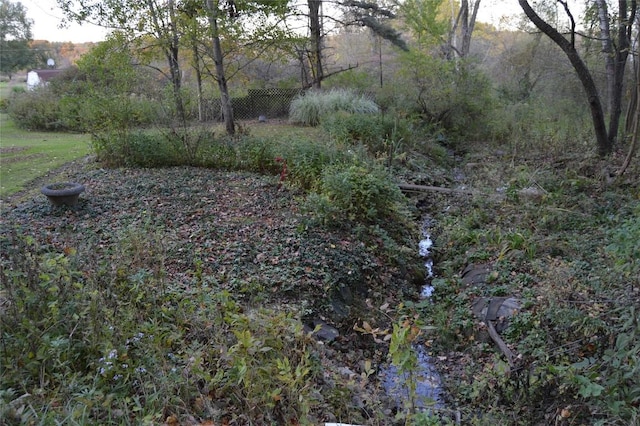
[467, 20]
[605, 140]
[356, 13]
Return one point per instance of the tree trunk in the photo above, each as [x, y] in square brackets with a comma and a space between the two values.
[604, 144]
[196, 67]
[607, 49]
[176, 79]
[227, 110]
[315, 29]
[468, 23]
[625, 23]
[171, 51]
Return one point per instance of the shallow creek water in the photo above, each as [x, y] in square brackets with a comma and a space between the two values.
[429, 392]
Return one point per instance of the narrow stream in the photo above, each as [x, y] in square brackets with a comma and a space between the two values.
[424, 249]
[429, 392]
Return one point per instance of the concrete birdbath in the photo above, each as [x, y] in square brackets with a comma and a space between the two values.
[64, 193]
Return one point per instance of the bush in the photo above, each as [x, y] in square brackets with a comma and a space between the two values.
[68, 106]
[357, 194]
[539, 125]
[446, 94]
[37, 110]
[312, 107]
[307, 159]
[624, 247]
[256, 155]
[153, 148]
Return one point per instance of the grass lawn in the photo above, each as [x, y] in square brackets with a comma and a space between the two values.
[26, 155]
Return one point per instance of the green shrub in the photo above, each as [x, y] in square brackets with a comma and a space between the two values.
[48, 322]
[137, 149]
[307, 159]
[624, 246]
[539, 125]
[44, 110]
[37, 110]
[610, 382]
[445, 94]
[366, 200]
[218, 153]
[310, 108]
[354, 79]
[256, 155]
[6, 100]
[357, 194]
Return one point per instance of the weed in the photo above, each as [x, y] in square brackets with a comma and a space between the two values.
[405, 360]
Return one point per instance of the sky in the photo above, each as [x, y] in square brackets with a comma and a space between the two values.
[47, 17]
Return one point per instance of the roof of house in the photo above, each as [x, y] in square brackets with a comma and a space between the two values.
[47, 74]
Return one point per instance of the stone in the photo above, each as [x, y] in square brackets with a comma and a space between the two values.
[320, 330]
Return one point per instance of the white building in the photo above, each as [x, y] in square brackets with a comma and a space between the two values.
[36, 78]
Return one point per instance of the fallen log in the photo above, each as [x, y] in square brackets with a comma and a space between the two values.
[501, 344]
[426, 188]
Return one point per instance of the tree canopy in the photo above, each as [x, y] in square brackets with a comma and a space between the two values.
[15, 34]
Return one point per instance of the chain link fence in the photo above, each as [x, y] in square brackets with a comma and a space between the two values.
[270, 103]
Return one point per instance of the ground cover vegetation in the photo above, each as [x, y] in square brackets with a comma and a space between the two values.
[186, 285]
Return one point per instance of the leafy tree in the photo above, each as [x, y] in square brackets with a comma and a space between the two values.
[139, 20]
[424, 19]
[106, 92]
[433, 22]
[617, 50]
[172, 26]
[15, 34]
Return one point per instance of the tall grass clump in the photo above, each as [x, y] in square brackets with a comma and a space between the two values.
[379, 133]
[310, 108]
[306, 160]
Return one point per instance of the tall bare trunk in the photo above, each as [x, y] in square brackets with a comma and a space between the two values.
[225, 99]
[196, 67]
[468, 23]
[315, 29]
[607, 49]
[626, 19]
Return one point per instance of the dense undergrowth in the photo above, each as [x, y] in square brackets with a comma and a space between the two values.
[194, 314]
[126, 310]
[561, 238]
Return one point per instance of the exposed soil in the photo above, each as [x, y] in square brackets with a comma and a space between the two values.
[12, 149]
[19, 158]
